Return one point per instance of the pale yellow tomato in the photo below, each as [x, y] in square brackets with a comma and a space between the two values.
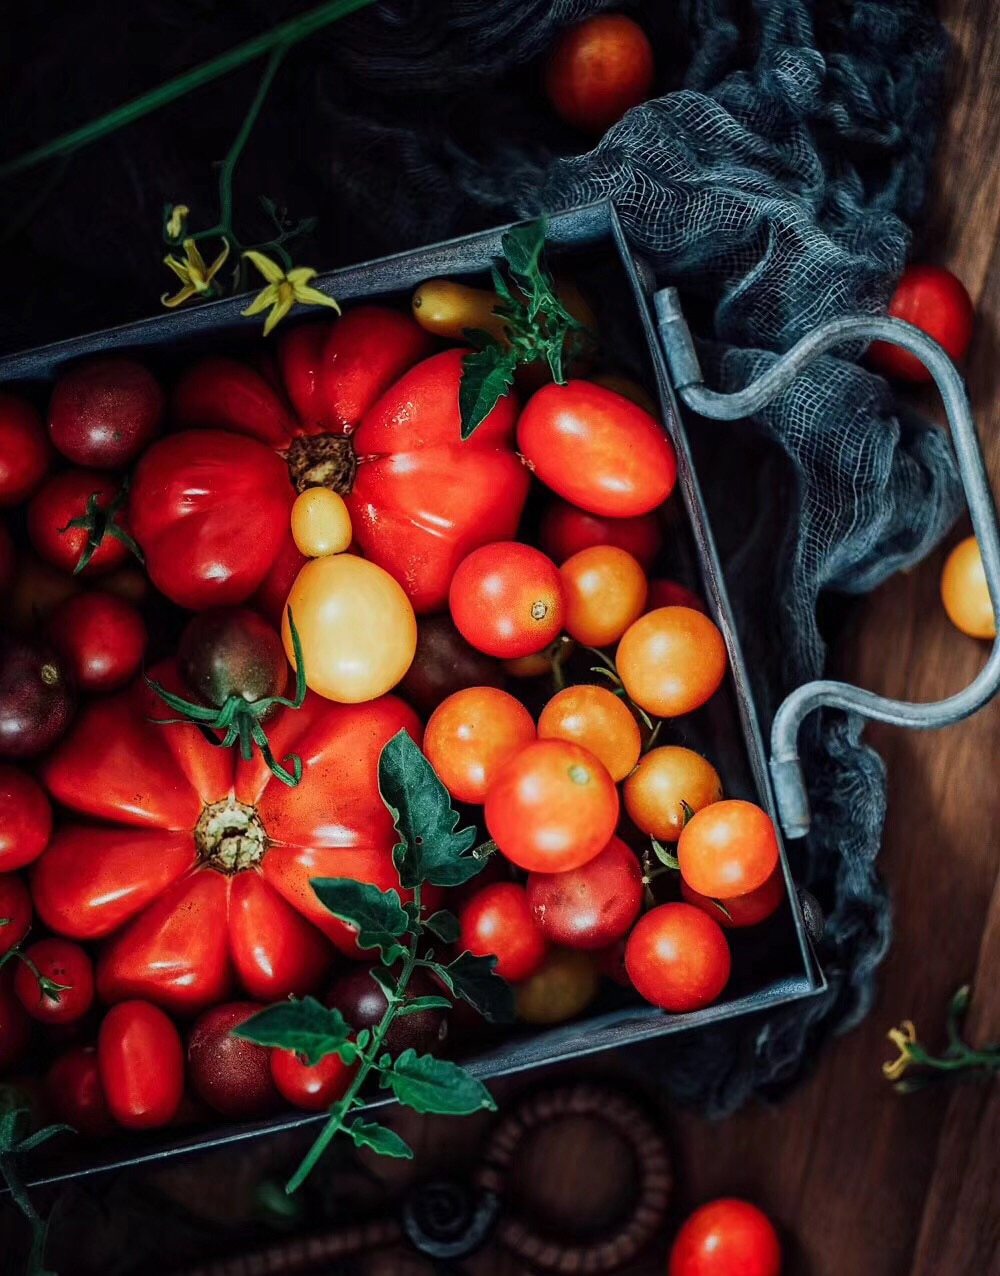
[356, 626]
[562, 988]
[321, 523]
[964, 593]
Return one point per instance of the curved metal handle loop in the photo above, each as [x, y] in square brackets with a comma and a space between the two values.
[786, 770]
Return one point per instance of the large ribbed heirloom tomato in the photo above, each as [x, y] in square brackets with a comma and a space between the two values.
[194, 865]
[356, 412]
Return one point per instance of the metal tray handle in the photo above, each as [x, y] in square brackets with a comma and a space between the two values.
[786, 770]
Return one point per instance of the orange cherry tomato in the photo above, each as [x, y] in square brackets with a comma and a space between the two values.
[964, 591]
[597, 719]
[665, 781]
[562, 988]
[552, 807]
[321, 523]
[605, 590]
[751, 909]
[506, 599]
[677, 958]
[671, 661]
[471, 735]
[726, 1237]
[598, 70]
[728, 849]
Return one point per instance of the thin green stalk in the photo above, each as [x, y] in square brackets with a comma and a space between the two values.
[236, 150]
[287, 34]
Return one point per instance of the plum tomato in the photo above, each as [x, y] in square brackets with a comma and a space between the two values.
[933, 300]
[598, 70]
[964, 591]
[37, 700]
[597, 450]
[15, 1023]
[671, 661]
[751, 909]
[725, 1237]
[362, 1002]
[552, 807]
[101, 638]
[670, 593]
[15, 911]
[449, 309]
[605, 590]
[592, 906]
[565, 530]
[312, 1087]
[104, 412]
[61, 500]
[75, 1094]
[321, 522]
[728, 849]
[230, 1074]
[232, 651]
[471, 735]
[597, 719]
[25, 818]
[25, 454]
[8, 561]
[498, 921]
[666, 780]
[506, 599]
[141, 1062]
[678, 958]
[53, 962]
[445, 663]
[357, 628]
[562, 988]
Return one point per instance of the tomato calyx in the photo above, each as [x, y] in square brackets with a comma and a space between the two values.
[99, 521]
[322, 460]
[230, 836]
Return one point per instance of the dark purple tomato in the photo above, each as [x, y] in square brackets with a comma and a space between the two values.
[232, 652]
[36, 699]
[362, 1003]
[445, 663]
[231, 1075]
[103, 413]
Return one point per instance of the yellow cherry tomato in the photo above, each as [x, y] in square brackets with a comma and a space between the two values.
[964, 593]
[562, 988]
[605, 590]
[666, 780]
[597, 719]
[321, 523]
[356, 625]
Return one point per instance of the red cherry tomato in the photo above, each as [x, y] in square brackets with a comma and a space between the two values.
[63, 963]
[671, 661]
[598, 70]
[727, 849]
[678, 958]
[933, 300]
[15, 911]
[15, 1023]
[25, 454]
[8, 560]
[727, 1237]
[141, 1063]
[597, 449]
[25, 818]
[471, 735]
[230, 1074]
[669, 593]
[310, 1086]
[751, 909]
[101, 638]
[57, 503]
[592, 906]
[104, 412]
[552, 808]
[565, 530]
[75, 1093]
[498, 921]
[506, 599]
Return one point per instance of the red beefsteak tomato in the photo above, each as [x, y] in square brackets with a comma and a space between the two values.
[359, 414]
[195, 865]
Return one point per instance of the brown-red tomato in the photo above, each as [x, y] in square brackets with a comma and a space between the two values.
[592, 906]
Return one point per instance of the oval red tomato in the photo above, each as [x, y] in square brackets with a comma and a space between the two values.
[933, 300]
[61, 500]
[726, 1237]
[75, 1094]
[596, 449]
[678, 958]
[565, 530]
[25, 454]
[310, 1086]
[25, 818]
[591, 906]
[507, 600]
[195, 865]
[64, 964]
[102, 639]
[141, 1063]
[15, 911]
[498, 921]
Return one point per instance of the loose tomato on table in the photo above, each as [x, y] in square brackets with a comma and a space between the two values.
[965, 593]
[140, 1060]
[671, 661]
[194, 865]
[87, 495]
[678, 958]
[605, 590]
[596, 719]
[498, 921]
[105, 411]
[667, 780]
[75, 1094]
[507, 600]
[727, 849]
[25, 452]
[471, 735]
[564, 530]
[726, 1237]
[592, 906]
[599, 69]
[55, 981]
[935, 301]
[15, 911]
[25, 818]
[101, 638]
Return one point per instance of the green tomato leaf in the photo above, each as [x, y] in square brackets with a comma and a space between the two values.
[386, 981]
[419, 1004]
[475, 980]
[430, 849]
[523, 247]
[306, 1027]
[666, 858]
[444, 924]
[487, 375]
[368, 1134]
[434, 1085]
[378, 916]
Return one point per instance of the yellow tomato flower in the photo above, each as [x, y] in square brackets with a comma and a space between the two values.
[196, 278]
[902, 1038]
[284, 290]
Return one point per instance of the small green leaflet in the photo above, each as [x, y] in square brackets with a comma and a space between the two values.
[665, 857]
[430, 849]
[379, 917]
[487, 375]
[305, 1027]
[419, 1004]
[523, 247]
[434, 1085]
[475, 981]
[368, 1134]
[444, 925]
